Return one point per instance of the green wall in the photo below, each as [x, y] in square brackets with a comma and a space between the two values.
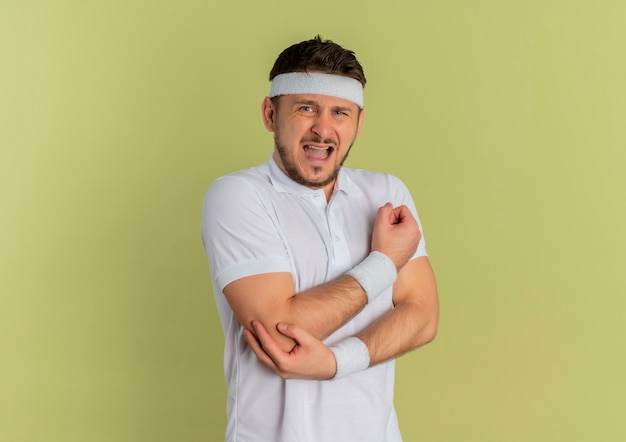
[505, 119]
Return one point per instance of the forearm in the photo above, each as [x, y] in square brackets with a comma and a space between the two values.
[324, 308]
[406, 327]
[413, 321]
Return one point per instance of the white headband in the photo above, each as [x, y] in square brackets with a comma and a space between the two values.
[318, 83]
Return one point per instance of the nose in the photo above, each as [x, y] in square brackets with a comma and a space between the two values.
[323, 126]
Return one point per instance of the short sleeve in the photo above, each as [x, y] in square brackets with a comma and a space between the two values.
[404, 197]
[239, 233]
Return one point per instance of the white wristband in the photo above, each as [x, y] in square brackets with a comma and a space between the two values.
[351, 356]
[375, 273]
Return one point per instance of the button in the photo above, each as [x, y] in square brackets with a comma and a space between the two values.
[337, 238]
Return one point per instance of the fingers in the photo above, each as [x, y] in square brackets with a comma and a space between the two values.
[258, 350]
[394, 215]
[396, 233]
[268, 344]
[310, 358]
[401, 214]
[294, 332]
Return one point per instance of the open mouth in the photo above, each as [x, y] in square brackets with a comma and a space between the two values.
[318, 153]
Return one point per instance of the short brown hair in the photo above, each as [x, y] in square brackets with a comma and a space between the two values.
[317, 55]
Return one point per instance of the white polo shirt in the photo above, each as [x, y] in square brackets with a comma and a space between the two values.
[259, 221]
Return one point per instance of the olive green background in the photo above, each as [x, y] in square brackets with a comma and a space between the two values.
[504, 118]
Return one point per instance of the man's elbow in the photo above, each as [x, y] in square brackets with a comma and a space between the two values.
[430, 333]
[427, 333]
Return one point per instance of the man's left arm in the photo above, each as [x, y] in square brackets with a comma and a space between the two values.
[410, 324]
[414, 319]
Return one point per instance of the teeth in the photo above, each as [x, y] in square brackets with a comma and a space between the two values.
[319, 153]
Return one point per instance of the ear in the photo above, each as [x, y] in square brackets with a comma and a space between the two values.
[269, 113]
[360, 123]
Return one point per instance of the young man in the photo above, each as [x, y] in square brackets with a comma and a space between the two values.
[320, 272]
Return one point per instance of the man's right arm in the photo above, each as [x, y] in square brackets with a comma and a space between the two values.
[270, 297]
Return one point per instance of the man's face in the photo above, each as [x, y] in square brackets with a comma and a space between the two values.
[313, 135]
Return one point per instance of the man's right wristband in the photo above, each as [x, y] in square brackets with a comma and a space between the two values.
[351, 356]
[375, 273]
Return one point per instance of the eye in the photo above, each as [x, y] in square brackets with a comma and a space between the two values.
[341, 112]
[306, 109]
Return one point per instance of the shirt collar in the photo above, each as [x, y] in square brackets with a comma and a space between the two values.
[282, 182]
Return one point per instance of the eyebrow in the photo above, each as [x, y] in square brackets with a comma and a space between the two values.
[308, 102]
